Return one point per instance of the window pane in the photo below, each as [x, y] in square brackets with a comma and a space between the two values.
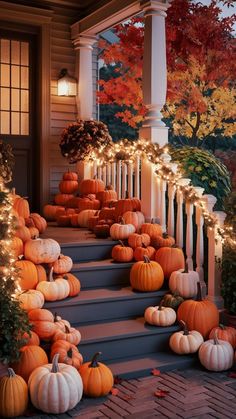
[24, 77]
[15, 76]
[5, 75]
[15, 99]
[24, 101]
[24, 53]
[24, 124]
[5, 122]
[15, 52]
[5, 99]
[5, 51]
[15, 123]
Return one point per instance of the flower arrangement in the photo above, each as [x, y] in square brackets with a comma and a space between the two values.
[7, 161]
[79, 139]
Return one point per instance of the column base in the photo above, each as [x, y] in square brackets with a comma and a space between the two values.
[84, 170]
[217, 300]
[157, 135]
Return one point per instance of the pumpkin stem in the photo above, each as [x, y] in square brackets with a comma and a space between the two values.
[146, 259]
[67, 330]
[165, 235]
[186, 271]
[160, 305]
[11, 372]
[222, 326]
[55, 366]
[50, 276]
[94, 361]
[122, 221]
[199, 292]
[184, 327]
[121, 243]
[215, 338]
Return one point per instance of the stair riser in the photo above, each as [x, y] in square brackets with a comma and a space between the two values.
[87, 253]
[130, 346]
[102, 277]
[104, 310]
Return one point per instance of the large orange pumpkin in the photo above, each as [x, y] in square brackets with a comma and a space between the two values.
[49, 211]
[31, 338]
[31, 357]
[21, 205]
[43, 324]
[224, 333]
[200, 315]
[146, 276]
[93, 186]
[17, 246]
[152, 229]
[28, 277]
[108, 195]
[68, 186]
[97, 378]
[127, 204]
[13, 395]
[62, 199]
[70, 175]
[171, 259]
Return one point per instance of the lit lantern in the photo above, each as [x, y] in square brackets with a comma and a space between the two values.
[66, 85]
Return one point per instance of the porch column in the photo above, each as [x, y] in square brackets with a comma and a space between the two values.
[83, 71]
[154, 92]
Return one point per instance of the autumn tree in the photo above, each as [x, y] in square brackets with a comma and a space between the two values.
[201, 63]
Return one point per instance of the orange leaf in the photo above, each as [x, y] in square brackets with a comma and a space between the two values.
[161, 393]
[114, 391]
[155, 372]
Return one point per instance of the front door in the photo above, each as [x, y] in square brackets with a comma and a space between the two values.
[18, 112]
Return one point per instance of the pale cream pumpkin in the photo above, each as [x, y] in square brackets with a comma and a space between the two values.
[70, 334]
[61, 323]
[31, 299]
[185, 341]
[216, 355]
[121, 231]
[54, 289]
[42, 250]
[184, 282]
[48, 383]
[62, 265]
[160, 316]
[134, 217]
[83, 217]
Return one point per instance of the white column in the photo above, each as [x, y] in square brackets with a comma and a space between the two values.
[130, 180]
[189, 235]
[84, 46]
[171, 197]
[200, 243]
[179, 218]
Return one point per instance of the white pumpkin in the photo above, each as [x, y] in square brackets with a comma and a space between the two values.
[42, 250]
[216, 355]
[55, 388]
[184, 282]
[31, 299]
[84, 216]
[160, 315]
[54, 289]
[121, 231]
[185, 341]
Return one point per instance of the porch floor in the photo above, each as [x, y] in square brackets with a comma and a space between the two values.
[193, 393]
[71, 235]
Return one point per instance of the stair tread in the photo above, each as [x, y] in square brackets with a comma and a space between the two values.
[98, 264]
[120, 329]
[102, 294]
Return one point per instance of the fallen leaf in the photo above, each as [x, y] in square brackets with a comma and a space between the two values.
[114, 391]
[161, 393]
[127, 397]
[155, 372]
[117, 380]
[232, 375]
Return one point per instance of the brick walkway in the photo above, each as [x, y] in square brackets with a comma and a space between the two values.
[188, 394]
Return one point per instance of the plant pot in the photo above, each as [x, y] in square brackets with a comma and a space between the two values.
[230, 319]
[3, 369]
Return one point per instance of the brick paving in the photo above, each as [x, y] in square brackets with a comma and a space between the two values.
[192, 393]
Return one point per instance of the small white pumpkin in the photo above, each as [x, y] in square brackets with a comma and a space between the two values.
[160, 315]
[185, 341]
[216, 355]
[54, 289]
[121, 231]
[184, 282]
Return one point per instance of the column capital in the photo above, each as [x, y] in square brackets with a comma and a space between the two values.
[84, 41]
[155, 7]
[210, 201]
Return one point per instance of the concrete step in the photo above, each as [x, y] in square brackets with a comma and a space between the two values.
[89, 250]
[105, 304]
[124, 338]
[104, 273]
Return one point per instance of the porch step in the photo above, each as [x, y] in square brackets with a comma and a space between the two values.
[105, 304]
[91, 250]
[104, 273]
[124, 338]
[141, 366]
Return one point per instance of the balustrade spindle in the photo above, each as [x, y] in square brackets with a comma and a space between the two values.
[130, 180]
[137, 178]
[94, 169]
[118, 185]
[158, 196]
[189, 235]
[124, 179]
[171, 197]
[109, 173]
[99, 172]
[200, 243]
[104, 174]
[163, 205]
[179, 218]
[113, 176]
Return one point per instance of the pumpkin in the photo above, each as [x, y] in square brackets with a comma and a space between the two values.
[107, 195]
[55, 388]
[84, 216]
[160, 315]
[93, 186]
[70, 211]
[42, 275]
[87, 203]
[43, 324]
[152, 229]
[184, 282]
[171, 259]
[216, 355]
[68, 353]
[64, 220]
[49, 211]
[28, 277]
[226, 333]
[21, 222]
[62, 199]
[42, 250]
[60, 323]
[172, 300]
[70, 175]
[122, 253]
[31, 357]
[102, 231]
[17, 246]
[121, 231]
[74, 220]
[23, 233]
[200, 315]
[34, 232]
[62, 265]
[185, 341]
[13, 395]
[92, 222]
[74, 284]
[163, 241]
[146, 275]
[70, 334]
[54, 289]
[21, 205]
[60, 212]
[72, 202]
[141, 251]
[97, 378]
[136, 218]
[137, 240]
[68, 186]
[39, 222]
[31, 299]
[31, 338]
[107, 213]
[127, 204]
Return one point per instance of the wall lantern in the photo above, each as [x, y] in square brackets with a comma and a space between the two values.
[66, 85]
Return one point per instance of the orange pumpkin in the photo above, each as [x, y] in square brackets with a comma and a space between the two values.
[42, 275]
[21, 205]
[74, 284]
[61, 323]
[122, 253]
[74, 220]
[62, 199]
[107, 213]
[146, 276]
[70, 175]
[68, 186]
[31, 357]
[34, 233]
[93, 186]
[224, 333]
[171, 259]
[87, 203]
[134, 217]
[73, 202]
[92, 222]
[62, 265]
[49, 211]
[21, 222]
[43, 324]
[127, 204]
[64, 220]
[17, 246]
[107, 195]
[97, 378]
[39, 222]
[68, 353]
[137, 240]
[141, 251]
[70, 334]
[152, 229]
[31, 338]
[163, 241]
[28, 277]
[23, 233]
[201, 315]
